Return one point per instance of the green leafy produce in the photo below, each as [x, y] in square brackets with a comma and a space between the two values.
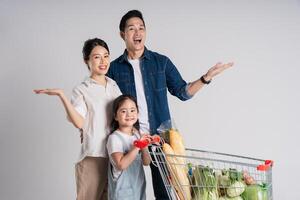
[237, 186]
[256, 192]
[223, 180]
[233, 198]
[206, 184]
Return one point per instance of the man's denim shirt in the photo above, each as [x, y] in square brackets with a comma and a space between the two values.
[159, 74]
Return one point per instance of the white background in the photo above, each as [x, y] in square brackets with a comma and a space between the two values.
[251, 109]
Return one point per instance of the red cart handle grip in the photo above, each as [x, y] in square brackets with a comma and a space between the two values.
[145, 142]
[268, 164]
[155, 139]
[141, 143]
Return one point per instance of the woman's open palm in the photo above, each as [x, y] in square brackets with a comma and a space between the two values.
[54, 91]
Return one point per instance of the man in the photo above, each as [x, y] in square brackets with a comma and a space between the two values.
[147, 76]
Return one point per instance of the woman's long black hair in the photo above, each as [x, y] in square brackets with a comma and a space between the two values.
[116, 105]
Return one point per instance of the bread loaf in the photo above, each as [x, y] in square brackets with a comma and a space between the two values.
[179, 178]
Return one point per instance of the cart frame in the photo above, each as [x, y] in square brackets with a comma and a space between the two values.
[211, 159]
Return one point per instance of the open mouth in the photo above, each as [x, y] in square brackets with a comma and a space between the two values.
[102, 67]
[137, 41]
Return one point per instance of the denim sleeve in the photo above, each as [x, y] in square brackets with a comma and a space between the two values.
[175, 83]
[188, 96]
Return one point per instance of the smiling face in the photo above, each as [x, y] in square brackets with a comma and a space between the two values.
[98, 61]
[134, 34]
[127, 114]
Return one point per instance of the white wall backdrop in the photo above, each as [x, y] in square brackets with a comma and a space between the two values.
[252, 109]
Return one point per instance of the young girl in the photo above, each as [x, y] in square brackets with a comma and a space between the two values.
[126, 177]
[88, 110]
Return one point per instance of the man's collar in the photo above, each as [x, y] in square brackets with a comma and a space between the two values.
[146, 54]
[124, 57]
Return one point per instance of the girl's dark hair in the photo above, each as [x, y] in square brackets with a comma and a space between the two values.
[130, 14]
[116, 105]
[89, 46]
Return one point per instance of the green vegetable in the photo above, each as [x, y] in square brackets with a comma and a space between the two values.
[206, 184]
[237, 186]
[228, 198]
[236, 189]
[223, 179]
[237, 198]
[256, 192]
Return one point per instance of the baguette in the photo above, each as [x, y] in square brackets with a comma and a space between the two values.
[176, 142]
[178, 174]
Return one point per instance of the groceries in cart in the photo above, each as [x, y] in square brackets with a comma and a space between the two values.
[191, 174]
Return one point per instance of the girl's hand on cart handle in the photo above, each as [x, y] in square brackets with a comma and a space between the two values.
[155, 139]
[141, 143]
[146, 140]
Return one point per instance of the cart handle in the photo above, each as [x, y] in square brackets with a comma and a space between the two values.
[145, 142]
[268, 164]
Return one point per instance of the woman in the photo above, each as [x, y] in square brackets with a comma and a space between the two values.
[88, 111]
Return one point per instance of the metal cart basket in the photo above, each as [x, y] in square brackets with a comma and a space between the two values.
[210, 175]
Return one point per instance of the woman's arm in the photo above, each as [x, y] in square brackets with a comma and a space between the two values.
[76, 119]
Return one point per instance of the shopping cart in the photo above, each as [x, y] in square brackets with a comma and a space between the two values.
[210, 175]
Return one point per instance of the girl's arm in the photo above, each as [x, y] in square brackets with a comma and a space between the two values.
[145, 152]
[122, 161]
[146, 156]
[76, 119]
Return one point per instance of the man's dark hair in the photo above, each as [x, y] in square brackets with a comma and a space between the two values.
[127, 16]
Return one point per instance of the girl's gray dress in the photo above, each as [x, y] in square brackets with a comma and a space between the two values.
[131, 184]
